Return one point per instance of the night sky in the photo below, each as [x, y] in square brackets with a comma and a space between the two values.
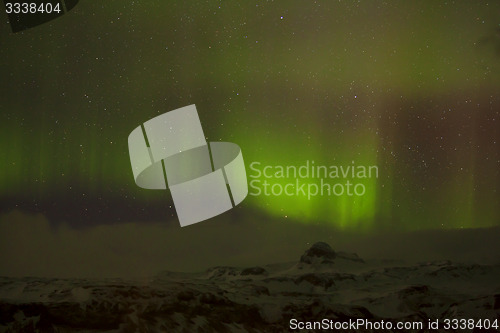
[412, 87]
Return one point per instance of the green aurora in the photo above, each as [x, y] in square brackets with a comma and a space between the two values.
[411, 87]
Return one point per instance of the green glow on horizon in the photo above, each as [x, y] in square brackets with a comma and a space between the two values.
[409, 87]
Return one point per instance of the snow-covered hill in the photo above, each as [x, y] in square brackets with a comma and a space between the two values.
[322, 284]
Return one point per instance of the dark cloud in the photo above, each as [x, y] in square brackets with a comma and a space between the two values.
[29, 246]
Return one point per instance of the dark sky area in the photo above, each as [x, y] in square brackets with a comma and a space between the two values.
[411, 87]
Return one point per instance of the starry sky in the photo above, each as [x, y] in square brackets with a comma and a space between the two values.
[412, 87]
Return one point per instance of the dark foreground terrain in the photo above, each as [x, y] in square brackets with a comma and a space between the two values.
[322, 284]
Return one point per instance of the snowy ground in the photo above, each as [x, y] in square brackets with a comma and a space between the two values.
[322, 284]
